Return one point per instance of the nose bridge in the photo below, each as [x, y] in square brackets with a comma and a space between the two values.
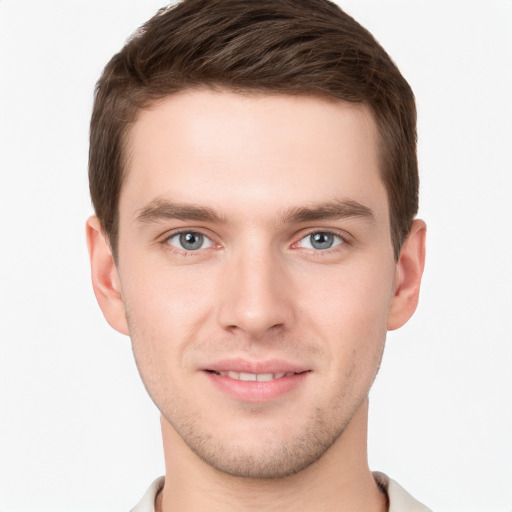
[256, 295]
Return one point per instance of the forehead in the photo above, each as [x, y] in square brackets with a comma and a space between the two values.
[235, 151]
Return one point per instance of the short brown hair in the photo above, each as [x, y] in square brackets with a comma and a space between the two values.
[308, 47]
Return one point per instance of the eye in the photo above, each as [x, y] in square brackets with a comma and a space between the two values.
[320, 241]
[189, 241]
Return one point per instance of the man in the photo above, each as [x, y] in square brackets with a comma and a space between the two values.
[253, 172]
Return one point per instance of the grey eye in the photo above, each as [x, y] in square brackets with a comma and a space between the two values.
[189, 241]
[321, 240]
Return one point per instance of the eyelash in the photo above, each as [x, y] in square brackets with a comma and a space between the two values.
[184, 252]
[317, 252]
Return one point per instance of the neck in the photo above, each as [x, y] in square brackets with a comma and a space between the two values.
[340, 480]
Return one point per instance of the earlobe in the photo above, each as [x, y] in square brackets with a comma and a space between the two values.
[409, 270]
[105, 279]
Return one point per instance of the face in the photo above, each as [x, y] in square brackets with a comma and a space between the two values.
[256, 272]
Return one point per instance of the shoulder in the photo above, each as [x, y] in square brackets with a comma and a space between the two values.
[147, 503]
[399, 499]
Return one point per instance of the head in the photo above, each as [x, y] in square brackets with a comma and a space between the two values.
[308, 47]
[253, 172]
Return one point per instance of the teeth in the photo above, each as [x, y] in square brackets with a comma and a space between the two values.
[248, 376]
[265, 377]
[252, 377]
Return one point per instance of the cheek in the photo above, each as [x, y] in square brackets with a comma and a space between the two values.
[166, 309]
[161, 296]
[163, 316]
[351, 312]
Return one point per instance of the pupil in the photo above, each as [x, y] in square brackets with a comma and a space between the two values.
[322, 240]
[191, 241]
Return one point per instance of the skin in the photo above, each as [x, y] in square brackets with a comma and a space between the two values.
[256, 176]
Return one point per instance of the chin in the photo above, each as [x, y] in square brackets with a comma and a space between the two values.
[271, 456]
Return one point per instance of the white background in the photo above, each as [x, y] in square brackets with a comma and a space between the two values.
[77, 431]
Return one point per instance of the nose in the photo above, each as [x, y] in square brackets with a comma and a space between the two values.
[257, 295]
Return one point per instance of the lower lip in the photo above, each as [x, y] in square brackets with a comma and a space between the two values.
[255, 391]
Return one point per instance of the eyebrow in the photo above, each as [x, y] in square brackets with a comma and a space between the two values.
[161, 209]
[333, 210]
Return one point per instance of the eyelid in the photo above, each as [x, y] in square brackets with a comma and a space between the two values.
[164, 240]
[343, 235]
[204, 239]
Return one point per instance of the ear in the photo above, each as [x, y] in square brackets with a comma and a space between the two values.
[105, 279]
[409, 270]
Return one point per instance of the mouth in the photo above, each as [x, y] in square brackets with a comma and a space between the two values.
[253, 377]
[260, 384]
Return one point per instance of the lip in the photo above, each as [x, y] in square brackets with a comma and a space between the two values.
[243, 365]
[256, 391]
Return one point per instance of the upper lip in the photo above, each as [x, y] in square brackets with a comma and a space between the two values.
[257, 367]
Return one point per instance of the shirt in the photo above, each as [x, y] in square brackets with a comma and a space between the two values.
[399, 499]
